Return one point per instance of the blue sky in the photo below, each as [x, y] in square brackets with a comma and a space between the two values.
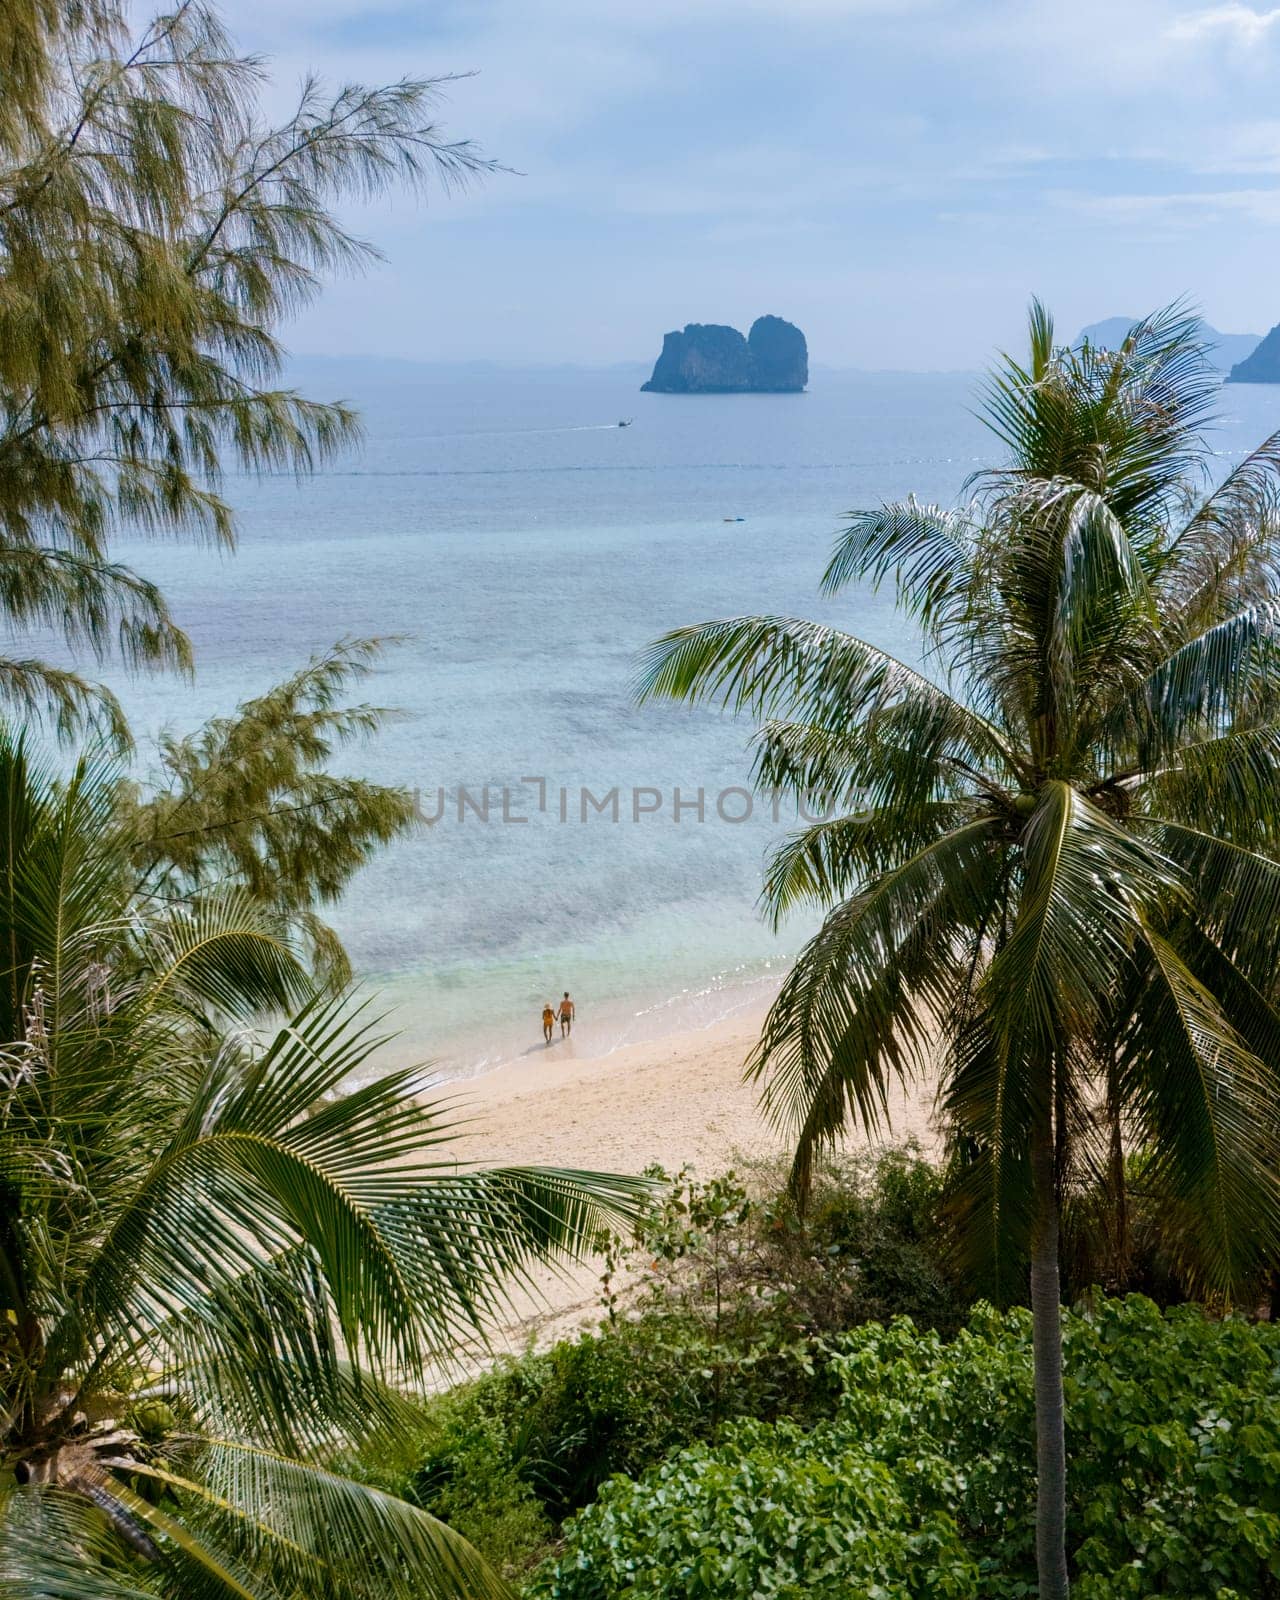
[897, 176]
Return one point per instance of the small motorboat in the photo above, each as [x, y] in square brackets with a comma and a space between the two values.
[627, 423]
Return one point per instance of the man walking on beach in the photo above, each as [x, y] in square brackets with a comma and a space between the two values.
[566, 1016]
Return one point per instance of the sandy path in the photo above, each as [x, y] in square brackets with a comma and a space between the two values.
[676, 1100]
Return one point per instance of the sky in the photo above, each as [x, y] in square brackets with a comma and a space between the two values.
[896, 176]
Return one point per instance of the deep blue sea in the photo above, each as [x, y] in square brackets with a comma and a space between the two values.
[525, 549]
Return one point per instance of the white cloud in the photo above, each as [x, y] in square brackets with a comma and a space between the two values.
[1240, 24]
[1181, 212]
[1242, 147]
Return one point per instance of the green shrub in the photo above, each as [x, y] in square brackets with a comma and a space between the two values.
[593, 1407]
[506, 1457]
[467, 1474]
[733, 1292]
[874, 1245]
[1174, 1441]
[1174, 1423]
[742, 1286]
[773, 1512]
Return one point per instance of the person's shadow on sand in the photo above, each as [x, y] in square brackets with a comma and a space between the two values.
[566, 1046]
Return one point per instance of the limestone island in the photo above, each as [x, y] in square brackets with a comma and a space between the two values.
[1263, 366]
[709, 358]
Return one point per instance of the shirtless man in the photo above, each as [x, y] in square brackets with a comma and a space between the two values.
[566, 1015]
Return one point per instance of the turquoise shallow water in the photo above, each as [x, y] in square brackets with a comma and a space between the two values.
[526, 549]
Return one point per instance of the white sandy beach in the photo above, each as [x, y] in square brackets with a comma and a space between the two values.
[678, 1100]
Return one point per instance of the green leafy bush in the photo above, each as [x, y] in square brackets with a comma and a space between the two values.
[467, 1473]
[730, 1269]
[566, 1420]
[1174, 1423]
[923, 1482]
[774, 1512]
[505, 1458]
[733, 1292]
[714, 1310]
[874, 1245]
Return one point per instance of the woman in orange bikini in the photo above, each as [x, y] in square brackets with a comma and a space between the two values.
[548, 1021]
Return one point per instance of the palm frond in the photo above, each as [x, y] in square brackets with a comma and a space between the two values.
[226, 953]
[1234, 893]
[1128, 423]
[302, 1527]
[903, 755]
[55, 1545]
[862, 1004]
[802, 671]
[1226, 550]
[1227, 673]
[1205, 1104]
[259, 1359]
[1227, 784]
[202, 1570]
[927, 549]
[273, 1154]
[1086, 885]
[988, 1099]
[63, 894]
[834, 859]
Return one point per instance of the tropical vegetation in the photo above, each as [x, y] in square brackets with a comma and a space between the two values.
[223, 1253]
[716, 1308]
[922, 1481]
[220, 1250]
[230, 1250]
[1046, 853]
[800, 1435]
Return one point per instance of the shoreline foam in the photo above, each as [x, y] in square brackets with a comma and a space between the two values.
[605, 1026]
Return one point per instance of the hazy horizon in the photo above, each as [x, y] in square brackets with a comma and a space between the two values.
[367, 358]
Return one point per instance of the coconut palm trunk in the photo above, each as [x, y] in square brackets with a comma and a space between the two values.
[1046, 1343]
[1117, 1188]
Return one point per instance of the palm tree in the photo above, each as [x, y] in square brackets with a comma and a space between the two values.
[219, 1249]
[1047, 855]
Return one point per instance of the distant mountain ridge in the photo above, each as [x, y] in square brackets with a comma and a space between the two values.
[1225, 349]
[1262, 364]
[308, 368]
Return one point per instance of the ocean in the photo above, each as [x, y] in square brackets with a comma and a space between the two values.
[522, 550]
